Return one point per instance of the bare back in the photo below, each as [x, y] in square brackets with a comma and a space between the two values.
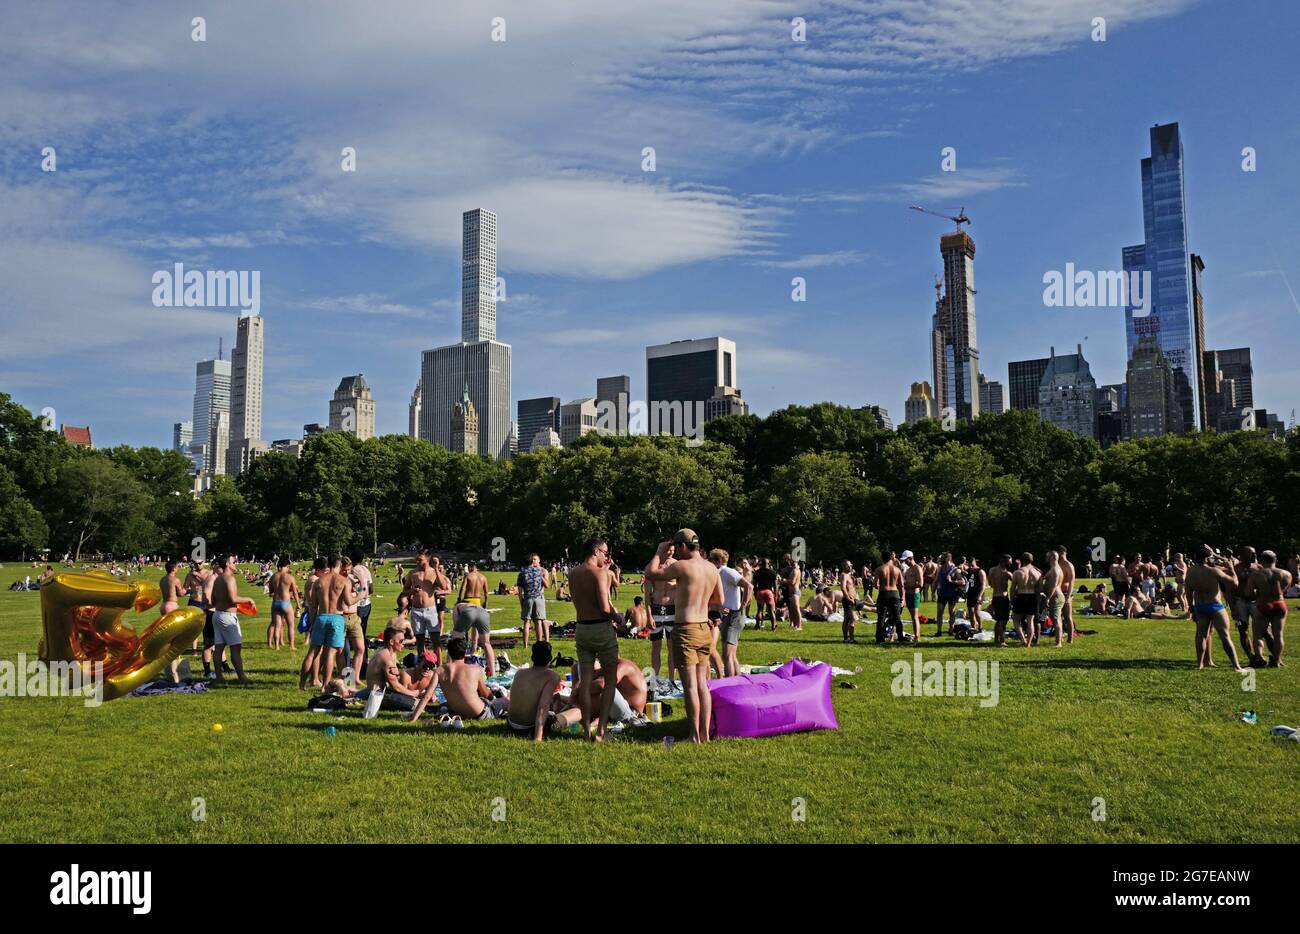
[698, 586]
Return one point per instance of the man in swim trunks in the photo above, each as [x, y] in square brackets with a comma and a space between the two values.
[1051, 587]
[849, 602]
[225, 622]
[354, 639]
[930, 573]
[660, 596]
[764, 593]
[595, 635]
[1180, 579]
[470, 616]
[698, 587]
[1119, 578]
[889, 603]
[284, 607]
[170, 585]
[534, 700]
[421, 590]
[1243, 609]
[442, 590]
[1067, 589]
[196, 585]
[913, 584]
[1267, 586]
[1000, 607]
[1024, 599]
[329, 595]
[1206, 580]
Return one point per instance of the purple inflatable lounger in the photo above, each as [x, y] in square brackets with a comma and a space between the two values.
[790, 699]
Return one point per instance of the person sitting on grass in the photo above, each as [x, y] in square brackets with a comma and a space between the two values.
[629, 699]
[1099, 603]
[465, 688]
[534, 702]
[401, 691]
[821, 606]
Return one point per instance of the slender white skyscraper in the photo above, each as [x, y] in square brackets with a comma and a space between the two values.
[478, 276]
[246, 395]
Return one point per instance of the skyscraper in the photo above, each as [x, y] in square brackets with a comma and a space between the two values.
[413, 413]
[464, 425]
[478, 276]
[993, 398]
[182, 437]
[577, 418]
[955, 357]
[246, 395]
[536, 415]
[615, 391]
[353, 407]
[681, 378]
[1163, 260]
[479, 361]
[920, 403]
[211, 398]
[1152, 392]
[1229, 390]
[1023, 379]
[1067, 394]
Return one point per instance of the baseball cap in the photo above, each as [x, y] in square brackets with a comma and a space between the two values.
[686, 537]
[905, 555]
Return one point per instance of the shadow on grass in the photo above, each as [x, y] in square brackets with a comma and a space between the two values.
[651, 735]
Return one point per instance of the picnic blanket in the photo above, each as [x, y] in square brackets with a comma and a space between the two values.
[154, 688]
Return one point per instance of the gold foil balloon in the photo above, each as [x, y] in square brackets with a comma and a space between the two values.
[81, 615]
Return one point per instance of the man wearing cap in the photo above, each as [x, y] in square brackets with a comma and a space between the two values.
[698, 586]
[913, 583]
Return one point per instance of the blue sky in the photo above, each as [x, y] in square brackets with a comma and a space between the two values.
[774, 159]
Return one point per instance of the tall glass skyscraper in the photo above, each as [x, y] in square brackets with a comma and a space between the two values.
[1165, 256]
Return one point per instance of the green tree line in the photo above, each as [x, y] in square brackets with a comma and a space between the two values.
[823, 474]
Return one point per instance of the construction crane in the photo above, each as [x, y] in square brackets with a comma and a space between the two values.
[959, 219]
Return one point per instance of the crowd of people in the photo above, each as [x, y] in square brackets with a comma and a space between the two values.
[694, 602]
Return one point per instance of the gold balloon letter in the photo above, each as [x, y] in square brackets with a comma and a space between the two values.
[81, 615]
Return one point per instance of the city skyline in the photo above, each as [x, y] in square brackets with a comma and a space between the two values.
[601, 258]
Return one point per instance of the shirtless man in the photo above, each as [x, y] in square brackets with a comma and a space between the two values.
[353, 637]
[465, 688]
[637, 617]
[1180, 579]
[1267, 586]
[1053, 587]
[385, 674]
[1000, 607]
[470, 615]
[225, 623]
[1206, 580]
[1067, 589]
[1119, 578]
[329, 595]
[661, 595]
[930, 570]
[421, 590]
[629, 699]
[764, 593]
[793, 581]
[171, 588]
[441, 590]
[889, 602]
[849, 589]
[534, 702]
[698, 587]
[913, 584]
[196, 585]
[1098, 602]
[1243, 609]
[1024, 599]
[595, 636]
[284, 607]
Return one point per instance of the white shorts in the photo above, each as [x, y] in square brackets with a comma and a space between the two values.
[225, 628]
[424, 622]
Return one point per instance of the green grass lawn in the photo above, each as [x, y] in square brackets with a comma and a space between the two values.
[1123, 715]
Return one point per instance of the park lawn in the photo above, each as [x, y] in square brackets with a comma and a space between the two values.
[1122, 716]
